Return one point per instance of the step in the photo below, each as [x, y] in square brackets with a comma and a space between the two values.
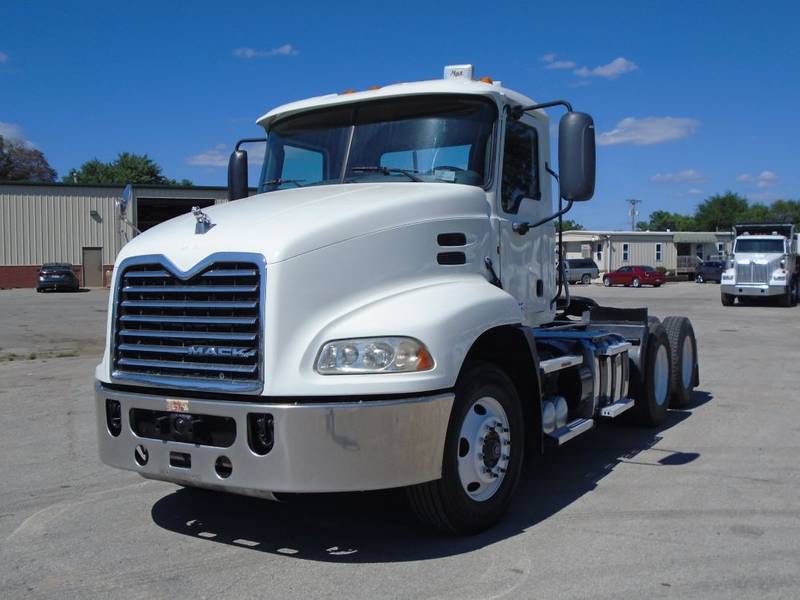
[616, 409]
[572, 429]
[551, 365]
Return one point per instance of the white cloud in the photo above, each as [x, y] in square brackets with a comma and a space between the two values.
[3, 58]
[685, 176]
[763, 180]
[766, 179]
[695, 191]
[561, 64]
[618, 66]
[11, 131]
[648, 130]
[247, 53]
[216, 157]
[552, 63]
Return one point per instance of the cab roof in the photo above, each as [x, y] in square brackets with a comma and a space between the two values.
[494, 90]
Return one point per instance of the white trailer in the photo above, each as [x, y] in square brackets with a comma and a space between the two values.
[385, 313]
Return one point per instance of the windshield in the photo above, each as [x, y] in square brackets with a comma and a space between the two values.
[763, 246]
[435, 138]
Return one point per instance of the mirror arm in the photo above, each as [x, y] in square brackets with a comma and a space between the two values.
[518, 111]
[523, 228]
[248, 141]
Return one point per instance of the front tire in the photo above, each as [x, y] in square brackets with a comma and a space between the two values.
[699, 279]
[483, 455]
[650, 385]
[727, 299]
[606, 281]
[683, 360]
[636, 283]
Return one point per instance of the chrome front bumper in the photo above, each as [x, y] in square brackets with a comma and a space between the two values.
[752, 289]
[331, 447]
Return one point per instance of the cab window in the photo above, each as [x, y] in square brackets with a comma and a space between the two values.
[520, 166]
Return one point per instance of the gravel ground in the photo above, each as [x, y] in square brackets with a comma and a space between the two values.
[706, 507]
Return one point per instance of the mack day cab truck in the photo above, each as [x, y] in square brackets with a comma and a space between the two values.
[764, 264]
[384, 313]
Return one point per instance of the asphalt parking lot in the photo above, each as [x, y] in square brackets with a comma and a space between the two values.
[706, 507]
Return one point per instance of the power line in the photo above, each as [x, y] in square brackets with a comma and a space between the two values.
[632, 212]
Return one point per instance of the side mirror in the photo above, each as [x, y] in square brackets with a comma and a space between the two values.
[576, 156]
[127, 196]
[237, 175]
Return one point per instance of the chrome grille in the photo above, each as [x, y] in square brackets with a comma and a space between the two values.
[201, 331]
[754, 272]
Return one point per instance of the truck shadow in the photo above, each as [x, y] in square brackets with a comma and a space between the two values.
[379, 527]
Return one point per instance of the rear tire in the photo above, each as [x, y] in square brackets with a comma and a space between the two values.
[727, 299]
[650, 384]
[683, 360]
[699, 279]
[467, 499]
[586, 279]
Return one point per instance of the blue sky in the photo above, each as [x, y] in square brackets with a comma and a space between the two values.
[689, 98]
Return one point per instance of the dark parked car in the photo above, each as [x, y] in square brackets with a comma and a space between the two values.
[635, 276]
[581, 269]
[57, 276]
[710, 270]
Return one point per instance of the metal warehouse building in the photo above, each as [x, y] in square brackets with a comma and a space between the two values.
[676, 251]
[79, 224]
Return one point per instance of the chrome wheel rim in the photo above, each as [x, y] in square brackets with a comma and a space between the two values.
[661, 375]
[635, 283]
[687, 362]
[484, 449]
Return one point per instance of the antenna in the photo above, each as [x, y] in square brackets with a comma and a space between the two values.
[632, 212]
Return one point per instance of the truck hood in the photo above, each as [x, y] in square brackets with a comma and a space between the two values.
[286, 223]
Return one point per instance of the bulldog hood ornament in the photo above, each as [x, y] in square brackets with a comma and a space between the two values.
[203, 222]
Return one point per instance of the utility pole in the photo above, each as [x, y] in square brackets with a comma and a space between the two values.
[633, 212]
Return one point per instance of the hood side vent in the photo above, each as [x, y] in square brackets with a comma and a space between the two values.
[451, 239]
[451, 258]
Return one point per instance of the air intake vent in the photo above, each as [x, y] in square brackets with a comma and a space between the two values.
[451, 239]
[202, 332]
[451, 258]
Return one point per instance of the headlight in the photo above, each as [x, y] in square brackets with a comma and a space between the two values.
[373, 355]
[779, 276]
[727, 276]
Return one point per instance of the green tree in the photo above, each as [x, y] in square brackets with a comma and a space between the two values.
[785, 211]
[661, 220]
[21, 162]
[569, 225]
[721, 211]
[127, 168]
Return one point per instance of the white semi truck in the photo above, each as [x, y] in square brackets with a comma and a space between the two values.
[763, 264]
[384, 313]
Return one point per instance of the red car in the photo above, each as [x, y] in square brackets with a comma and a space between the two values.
[636, 276]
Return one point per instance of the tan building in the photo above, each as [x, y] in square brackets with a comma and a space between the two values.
[676, 251]
[80, 225]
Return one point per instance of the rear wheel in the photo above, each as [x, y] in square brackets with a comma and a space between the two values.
[480, 467]
[683, 359]
[606, 281]
[699, 279]
[727, 299]
[785, 299]
[586, 279]
[636, 283]
[651, 384]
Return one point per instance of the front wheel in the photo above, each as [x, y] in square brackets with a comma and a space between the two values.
[699, 279]
[636, 283]
[606, 281]
[683, 360]
[650, 385]
[483, 455]
[727, 299]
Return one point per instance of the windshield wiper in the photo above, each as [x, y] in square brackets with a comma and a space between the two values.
[387, 171]
[282, 181]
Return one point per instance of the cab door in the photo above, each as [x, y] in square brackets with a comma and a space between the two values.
[527, 262]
